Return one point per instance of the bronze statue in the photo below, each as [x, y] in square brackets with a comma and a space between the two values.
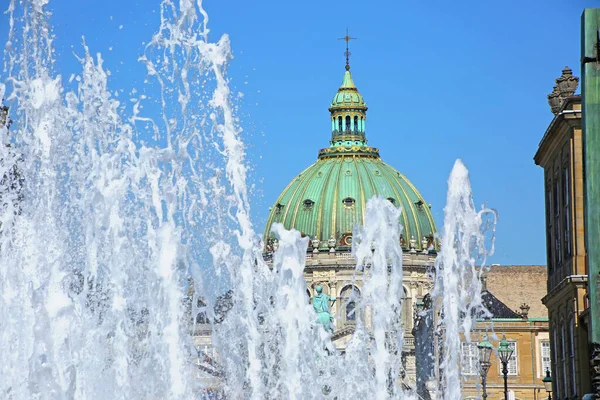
[320, 303]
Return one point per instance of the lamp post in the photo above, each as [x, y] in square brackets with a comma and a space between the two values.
[485, 352]
[548, 384]
[505, 351]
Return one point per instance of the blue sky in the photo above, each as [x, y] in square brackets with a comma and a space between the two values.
[443, 80]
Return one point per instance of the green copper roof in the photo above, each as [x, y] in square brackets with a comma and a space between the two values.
[348, 83]
[347, 96]
[328, 198]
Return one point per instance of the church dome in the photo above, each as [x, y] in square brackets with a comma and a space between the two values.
[328, 198]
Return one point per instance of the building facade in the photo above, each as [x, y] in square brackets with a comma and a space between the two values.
[560, 154]
[519, 315]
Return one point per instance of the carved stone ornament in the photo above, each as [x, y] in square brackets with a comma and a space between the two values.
[524, 310]
[323, 274]
[425, 245]
[555, 101]
[567, 83]
[331, 244]
[316, 242]
[413, 244]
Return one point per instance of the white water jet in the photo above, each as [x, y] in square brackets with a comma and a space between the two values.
[101, 230]
[458, 269]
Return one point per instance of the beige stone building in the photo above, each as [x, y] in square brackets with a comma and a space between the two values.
[513, 295]
[560, 154]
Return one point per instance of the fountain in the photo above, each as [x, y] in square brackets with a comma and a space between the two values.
[113, 224]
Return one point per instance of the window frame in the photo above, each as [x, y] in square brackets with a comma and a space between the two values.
[513, 358]
[469, 355]
[566, 203]
[571, 354]
[349, 294]
[548, 364]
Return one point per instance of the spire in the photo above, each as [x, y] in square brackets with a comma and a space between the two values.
[347, 38]
[348, 117]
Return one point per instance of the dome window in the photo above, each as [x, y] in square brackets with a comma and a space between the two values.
[308, 204]
[392, 200]
[278, 208]
[348, 202]
[419, 204]
[346, 239]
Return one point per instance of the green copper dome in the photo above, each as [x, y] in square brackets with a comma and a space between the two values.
[328, 198]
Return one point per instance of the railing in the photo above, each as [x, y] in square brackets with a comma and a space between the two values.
[409, 341]
[343, 256]
[347, 132]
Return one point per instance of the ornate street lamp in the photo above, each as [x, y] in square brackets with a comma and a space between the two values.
[505, 351]
[485, 352]
[548, 384]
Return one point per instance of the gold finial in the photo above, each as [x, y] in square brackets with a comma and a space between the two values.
[347, 38]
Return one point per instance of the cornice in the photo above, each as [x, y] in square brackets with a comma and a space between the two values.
[563, 287]
[566, 118]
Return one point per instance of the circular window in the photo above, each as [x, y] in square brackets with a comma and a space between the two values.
[348, 172]
[348, 201]
[308, 203]
[392, 200]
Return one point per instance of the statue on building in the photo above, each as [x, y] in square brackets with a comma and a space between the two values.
[320, 303]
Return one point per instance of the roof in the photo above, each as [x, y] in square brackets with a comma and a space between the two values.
[497, 308]
[329, 198]
[348, 95]
[514, 285]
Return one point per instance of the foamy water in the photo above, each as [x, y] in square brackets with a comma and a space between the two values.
[117, 218]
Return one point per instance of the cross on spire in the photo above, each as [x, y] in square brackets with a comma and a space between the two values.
[347, 38]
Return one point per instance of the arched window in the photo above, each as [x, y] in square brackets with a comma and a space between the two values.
[348, 201]
[571, 342]
[347, 123]
[351, 311]
[349, 298]
[308, 204]
[356, 129]
[340, 124]
[556, 361]
[201, 318]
